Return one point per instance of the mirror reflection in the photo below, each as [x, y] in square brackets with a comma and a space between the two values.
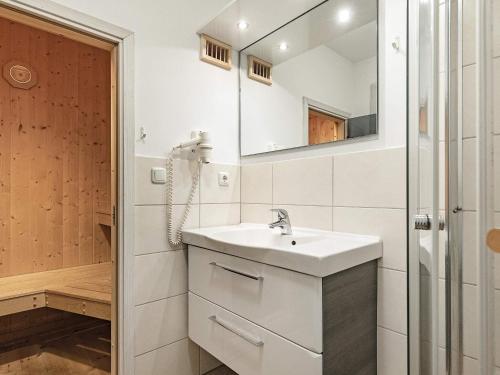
[313, 81]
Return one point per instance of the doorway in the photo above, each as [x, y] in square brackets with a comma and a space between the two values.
[58, 173]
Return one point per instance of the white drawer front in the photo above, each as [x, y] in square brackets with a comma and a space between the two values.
[285, 302]
[245, 347]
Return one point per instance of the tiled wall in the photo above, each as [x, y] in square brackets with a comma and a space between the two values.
[363, 192]
[160, 272]
[470, 252]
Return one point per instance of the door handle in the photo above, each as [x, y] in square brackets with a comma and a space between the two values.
[424, 222]
[493, 240]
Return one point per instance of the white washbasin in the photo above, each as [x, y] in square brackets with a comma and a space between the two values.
[314, 252]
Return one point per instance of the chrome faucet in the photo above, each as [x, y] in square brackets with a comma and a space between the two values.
[283, 221]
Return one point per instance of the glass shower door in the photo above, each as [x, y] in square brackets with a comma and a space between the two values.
[454, 187]
[423, 186]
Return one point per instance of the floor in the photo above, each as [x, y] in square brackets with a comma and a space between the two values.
[87, 352]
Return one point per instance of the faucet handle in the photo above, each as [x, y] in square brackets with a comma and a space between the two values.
[282, 213]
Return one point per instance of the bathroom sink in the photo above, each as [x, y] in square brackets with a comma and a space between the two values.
[314, 252]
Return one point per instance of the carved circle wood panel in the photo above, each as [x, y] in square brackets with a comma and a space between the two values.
[20, 75]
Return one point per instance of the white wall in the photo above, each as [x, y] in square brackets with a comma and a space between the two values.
[365, 75]
[392, 93]
[174, 91]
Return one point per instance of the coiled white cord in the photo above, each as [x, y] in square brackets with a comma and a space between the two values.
[175, 234]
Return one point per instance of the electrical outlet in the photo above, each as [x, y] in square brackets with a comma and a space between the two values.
[223, 179]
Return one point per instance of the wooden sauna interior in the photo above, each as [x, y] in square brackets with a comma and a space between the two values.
[56, 229]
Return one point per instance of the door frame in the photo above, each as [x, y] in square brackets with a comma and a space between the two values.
[77, 23]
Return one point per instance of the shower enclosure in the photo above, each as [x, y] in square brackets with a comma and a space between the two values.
[454, 187]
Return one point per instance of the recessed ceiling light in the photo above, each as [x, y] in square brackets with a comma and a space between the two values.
[344, 15]
[243, 25]
[283, 46]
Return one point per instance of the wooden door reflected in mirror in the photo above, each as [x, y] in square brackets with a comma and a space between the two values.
[325, 127]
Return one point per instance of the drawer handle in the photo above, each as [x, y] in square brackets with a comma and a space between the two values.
[241, 273]
[245, 336]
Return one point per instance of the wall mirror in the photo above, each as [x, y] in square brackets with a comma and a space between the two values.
[312, 81]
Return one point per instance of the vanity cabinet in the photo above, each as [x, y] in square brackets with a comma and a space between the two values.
[261, 319]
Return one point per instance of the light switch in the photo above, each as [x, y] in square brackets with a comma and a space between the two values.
[223, 179]
[158, 175]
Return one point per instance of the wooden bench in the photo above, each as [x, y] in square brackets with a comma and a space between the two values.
[84, 290]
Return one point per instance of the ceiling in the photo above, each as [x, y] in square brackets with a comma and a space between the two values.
[355, 39]
[358, 44]
[263, 16]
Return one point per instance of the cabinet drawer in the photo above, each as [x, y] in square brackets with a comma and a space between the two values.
[245, 347]
[285, 302]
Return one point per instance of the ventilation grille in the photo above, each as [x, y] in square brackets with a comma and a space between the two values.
[215, 52]
[260, 70]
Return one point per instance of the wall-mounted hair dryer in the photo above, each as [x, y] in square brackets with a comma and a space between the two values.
[199, 149]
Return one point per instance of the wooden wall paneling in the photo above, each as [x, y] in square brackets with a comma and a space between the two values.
[38, 130]
[102, 158]
[21, 113]
[55, 154]
[53, 133]
[70, 155]
[86, 205]
[5, 157]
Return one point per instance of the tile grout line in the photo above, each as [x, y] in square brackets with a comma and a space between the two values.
[162, 299]
[160, 347]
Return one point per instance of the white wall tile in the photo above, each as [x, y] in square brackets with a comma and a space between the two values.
[392, 353]
[496, 170]
[496, 88]
[145, 191]
[497, 256]
[370, 179]
[257, 183]
[469, 172]
[207, 362]
[442, 105]
[442, 37]
[389, 224]
[496, 28]
[471, 366]
[148, 193]
[151, 226]
[160, 323]
[441, 362]
[219, 214]
[469, 101]
[469, 32]
[442, 313]
[211, 192]
[470, 316]
[179, 358]
[392, 300]
[303, 182]
[160, 275]
[315, 217]
[497, 328]
[469, 247]
[256, 213]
